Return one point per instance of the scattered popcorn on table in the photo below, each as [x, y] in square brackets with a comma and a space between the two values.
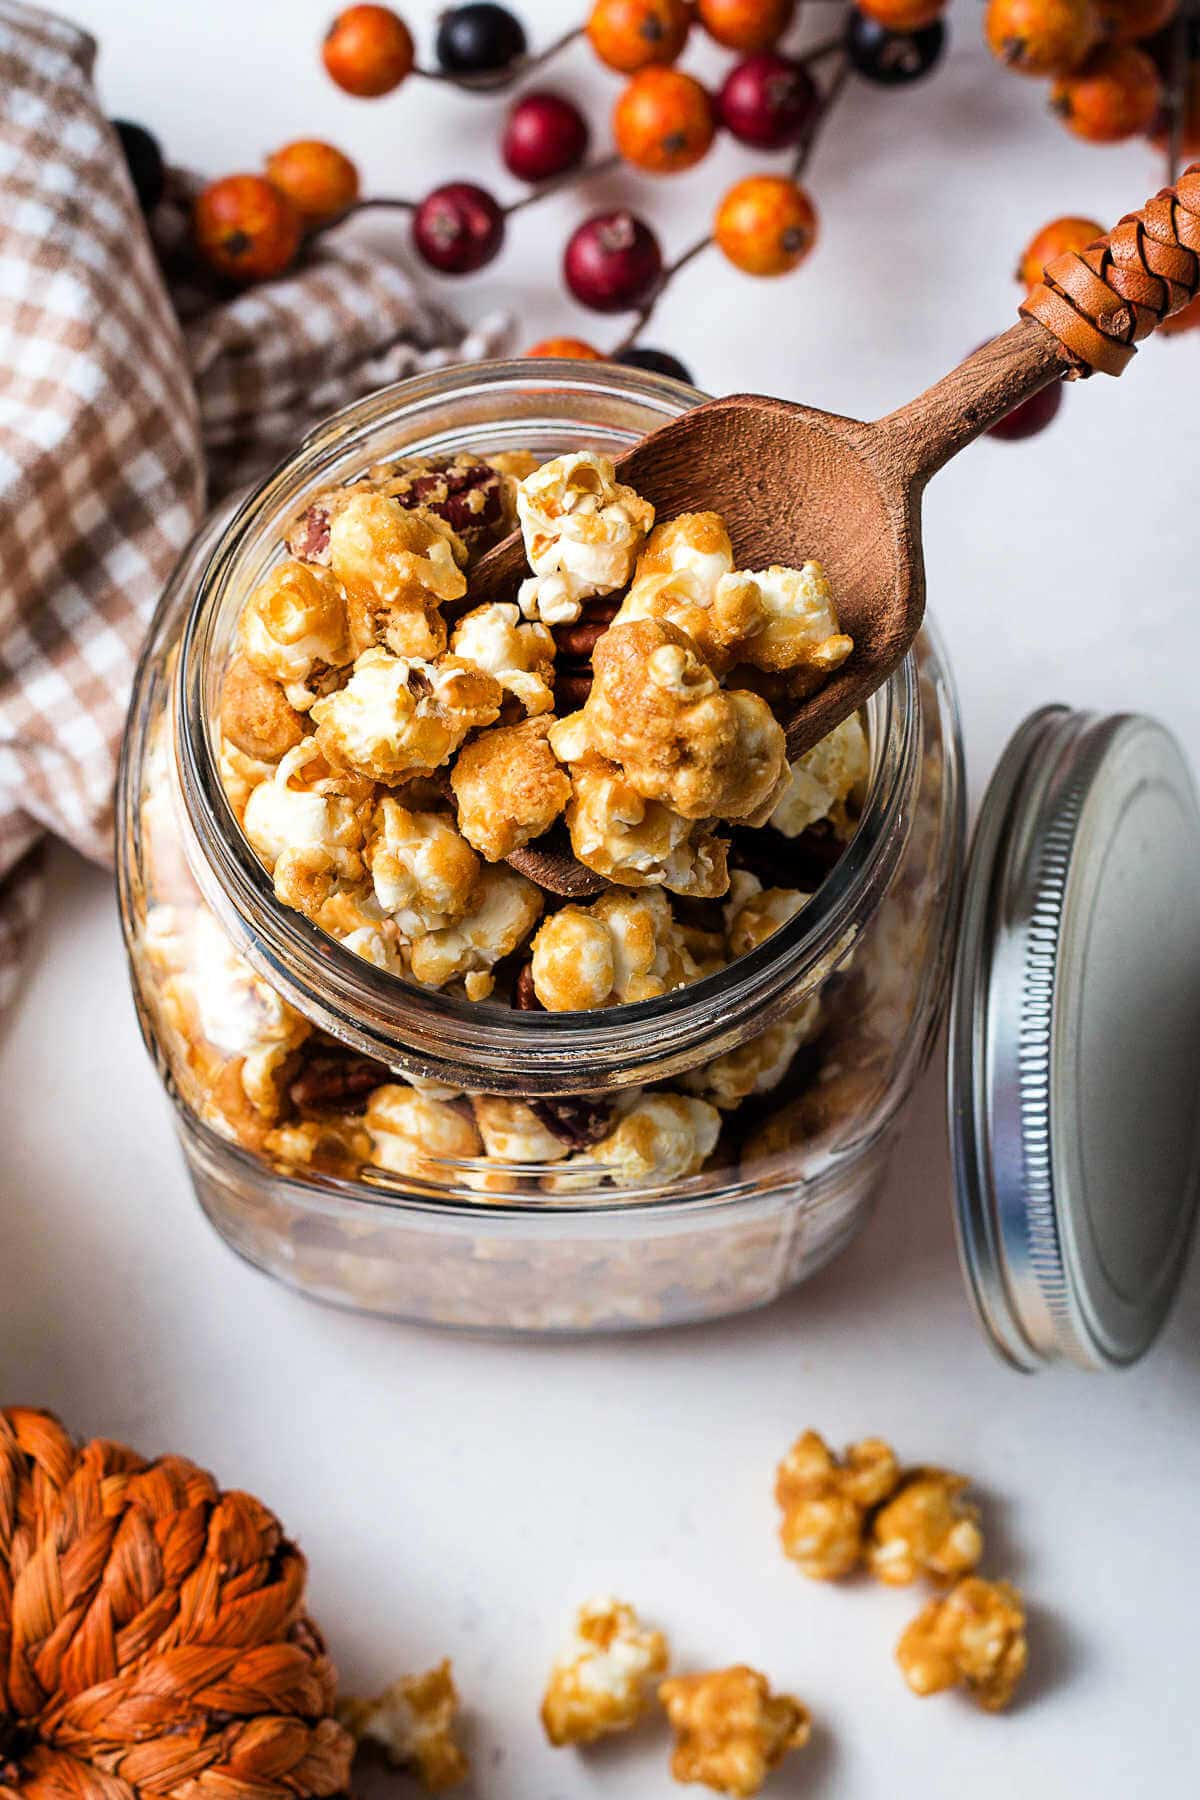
[731, 1731]
[582, 531]
[925, 1528]
[412, 1722]
[823, 779]
[601, 1682]
[976, 1636]
[826, 1500]
[509, 788]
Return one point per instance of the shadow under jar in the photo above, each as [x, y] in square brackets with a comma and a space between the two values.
[229, 983]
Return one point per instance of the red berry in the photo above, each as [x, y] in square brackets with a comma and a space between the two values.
[458, 228]
[1033, 415]
[768, 101]
[368, 50]
[612, 262]
[545, 136]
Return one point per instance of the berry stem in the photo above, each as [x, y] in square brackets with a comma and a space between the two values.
[603, 166]
[494, 83]
[373, 203]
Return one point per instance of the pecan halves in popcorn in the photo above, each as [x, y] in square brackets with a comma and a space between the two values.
[336, 1080]
[577, 641]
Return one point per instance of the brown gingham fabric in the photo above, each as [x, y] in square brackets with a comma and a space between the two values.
[131, 393]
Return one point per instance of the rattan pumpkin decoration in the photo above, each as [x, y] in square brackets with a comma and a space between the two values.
[153, 1638]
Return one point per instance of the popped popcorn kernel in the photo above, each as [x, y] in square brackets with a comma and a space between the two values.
[308, 806]
[512, 1131]
[332, 1146]
[754, 913]
[633, 841]
[621, 948]
[256, 715]
[823, 779]
[412, 1722]
[398, 566]
[659, 1138]
[976, 1636]
[582, 531]
[731, 1731]
[656, 709]
[925, 1528]
[509, 788]
[398, 716]
[600, 1683]
[295, 628]
[825, 1501]
[679, 579]
[424, 873]
[413, 1134]
[503, 911]
[517, 653]
[800, 625]
[758, 1065]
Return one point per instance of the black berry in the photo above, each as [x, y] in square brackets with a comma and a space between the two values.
[659, 362]
[146, 168]
[892, 58]
[480, 39]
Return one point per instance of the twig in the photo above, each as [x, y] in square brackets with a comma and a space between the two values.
[494, 83]
[604, 166]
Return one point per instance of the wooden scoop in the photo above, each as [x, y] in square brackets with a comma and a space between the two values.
[793, 483]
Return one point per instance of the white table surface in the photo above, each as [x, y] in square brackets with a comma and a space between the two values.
[459, 1496]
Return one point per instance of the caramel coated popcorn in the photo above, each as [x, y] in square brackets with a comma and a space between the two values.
[503, 911]
[822, 780]
[658, 711]
[423, 871]
[519, 655]
[731, 1731]
[925, 1528]
[398, 568]
[412, 1134]
[826, 1501]
[658, 1138]
[602, 1681]
[398, 716]
[509, 788]
[582, 530]
[412, 1722]
[621, 948]
[295, 629]
[799, 628]
[974, 1636]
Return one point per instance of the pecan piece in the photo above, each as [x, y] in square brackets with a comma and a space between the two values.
[336, 1081]
[524, 996]
[571, 689]
[578, 640]
[308, 538]
[575, 1119]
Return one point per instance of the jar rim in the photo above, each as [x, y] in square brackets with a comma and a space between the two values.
[486, 1045]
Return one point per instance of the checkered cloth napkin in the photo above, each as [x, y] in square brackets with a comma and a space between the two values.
[130, 394]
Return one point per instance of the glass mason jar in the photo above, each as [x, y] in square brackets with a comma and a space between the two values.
[227, 981]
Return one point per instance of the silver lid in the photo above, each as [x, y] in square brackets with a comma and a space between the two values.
[1074, 1067]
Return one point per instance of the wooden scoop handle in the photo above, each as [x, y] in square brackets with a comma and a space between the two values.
[1088, 313]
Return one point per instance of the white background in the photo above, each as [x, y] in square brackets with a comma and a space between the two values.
[459, 1496]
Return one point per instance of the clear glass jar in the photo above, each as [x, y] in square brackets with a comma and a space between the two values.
[225, 979]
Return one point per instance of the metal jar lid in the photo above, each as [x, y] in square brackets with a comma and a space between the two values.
[1074, 1068]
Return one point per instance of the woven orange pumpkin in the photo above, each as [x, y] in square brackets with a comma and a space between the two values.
[153, 1639]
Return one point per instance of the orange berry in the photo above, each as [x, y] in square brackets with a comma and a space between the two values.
[368, 50]
[663, 121]
[245, 228]
[630, 35]
[903, 15]
[1055, 239]
[1115, 95]
[1127, 20]
[318, 180]
[566, 346]
[746, 25]
[1187, 319]
[1041, 37]
[766, 225]
[1189, 142]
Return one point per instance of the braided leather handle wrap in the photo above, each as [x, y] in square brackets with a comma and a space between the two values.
[153, 1638]
[1099, 302]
